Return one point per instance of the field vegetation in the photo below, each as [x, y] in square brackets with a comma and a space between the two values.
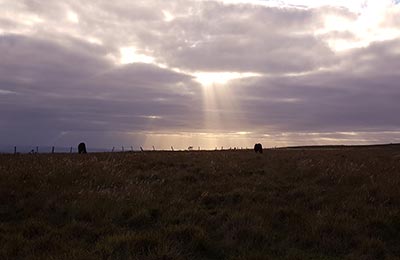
[339, 203]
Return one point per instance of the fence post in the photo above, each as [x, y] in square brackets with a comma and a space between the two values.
[52, 149]
[141, 149]
[172, 148]
[132, 148]
[123, 150]
[154, 148]
[15, 150]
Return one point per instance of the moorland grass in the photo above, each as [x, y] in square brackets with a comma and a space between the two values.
[283, 204]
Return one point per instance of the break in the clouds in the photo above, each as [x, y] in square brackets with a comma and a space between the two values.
[199, 73]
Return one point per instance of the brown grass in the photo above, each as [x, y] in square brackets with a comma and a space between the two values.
[283, 204]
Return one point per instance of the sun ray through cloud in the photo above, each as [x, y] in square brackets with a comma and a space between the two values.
[221, 109]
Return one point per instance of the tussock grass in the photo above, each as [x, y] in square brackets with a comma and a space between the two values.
[283, 204]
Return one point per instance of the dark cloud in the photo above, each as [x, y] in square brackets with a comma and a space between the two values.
[362, 95]
[60, 89]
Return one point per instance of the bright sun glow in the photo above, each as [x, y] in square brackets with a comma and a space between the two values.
[353, 5]
[168, 17]
[93, 40]
[131, 55]
[151, 117]
[367, 27]
[242, 133]
[72, 17]
[220, 78]
[32, 20]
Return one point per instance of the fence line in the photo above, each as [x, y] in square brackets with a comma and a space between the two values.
[71, 149]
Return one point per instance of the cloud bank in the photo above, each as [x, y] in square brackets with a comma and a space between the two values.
[200, 73]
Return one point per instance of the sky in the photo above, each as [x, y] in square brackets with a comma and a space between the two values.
[201, 73]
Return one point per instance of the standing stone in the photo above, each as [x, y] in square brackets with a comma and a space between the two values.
[82, 148]
[258, 148]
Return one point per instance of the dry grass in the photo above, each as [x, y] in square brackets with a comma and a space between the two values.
[283, 204]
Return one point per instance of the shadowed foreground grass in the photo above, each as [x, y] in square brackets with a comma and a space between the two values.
[283, 204]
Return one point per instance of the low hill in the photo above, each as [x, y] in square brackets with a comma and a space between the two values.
[340, 147]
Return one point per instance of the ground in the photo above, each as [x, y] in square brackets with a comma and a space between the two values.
[325, 203]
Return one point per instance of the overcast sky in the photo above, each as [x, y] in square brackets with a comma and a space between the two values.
[199, 73]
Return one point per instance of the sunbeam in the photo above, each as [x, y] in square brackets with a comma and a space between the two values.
[221, 108]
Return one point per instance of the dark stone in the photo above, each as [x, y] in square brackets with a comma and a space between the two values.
[82, 148]
[258, 148]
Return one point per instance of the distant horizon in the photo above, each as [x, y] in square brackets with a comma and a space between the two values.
[26, 149]
[199, 72]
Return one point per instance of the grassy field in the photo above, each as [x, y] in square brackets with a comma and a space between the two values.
[284, 204]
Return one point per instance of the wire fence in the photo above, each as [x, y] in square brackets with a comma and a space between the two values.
[116, 149]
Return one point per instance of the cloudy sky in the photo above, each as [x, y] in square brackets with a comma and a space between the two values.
[199, 73]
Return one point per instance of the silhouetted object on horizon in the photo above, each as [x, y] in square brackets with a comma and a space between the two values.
[258, 148]
[52, 149]
[154, 148]
[70, 150]
[141, 149]
[37, 149]
[113, 149]
[82, 148]
[123, 149]
[15, 150]
[172, 148]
